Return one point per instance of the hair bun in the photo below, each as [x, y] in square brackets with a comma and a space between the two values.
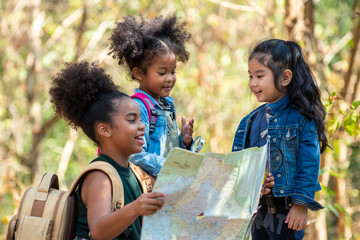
[76, 87]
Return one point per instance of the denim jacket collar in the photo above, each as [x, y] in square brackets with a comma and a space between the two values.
[278, 106]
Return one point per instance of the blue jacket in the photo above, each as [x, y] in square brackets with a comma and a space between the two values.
[294, 152]
[152, 158]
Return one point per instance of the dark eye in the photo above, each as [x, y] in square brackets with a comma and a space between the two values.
[161, 73]
[173, 73]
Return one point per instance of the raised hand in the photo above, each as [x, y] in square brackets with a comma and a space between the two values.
[187, 130]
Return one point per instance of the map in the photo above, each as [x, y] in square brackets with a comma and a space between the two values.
[209, 196]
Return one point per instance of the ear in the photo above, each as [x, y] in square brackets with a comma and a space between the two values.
[103, 130]
[138, 73]
[286, 77]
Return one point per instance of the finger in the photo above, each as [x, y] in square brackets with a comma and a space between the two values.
[300, 226]
[154, 206]
[156, 195]
[270, 178]
[294, 224]
[183, 121]
[269, 184]
[266, 191]
[191, 123]
[303, 225]
[287, 218]
[156, 202]
[290, 224]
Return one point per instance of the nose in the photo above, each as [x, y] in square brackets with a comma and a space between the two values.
[170, 77]
[252, 83]
[141, 126]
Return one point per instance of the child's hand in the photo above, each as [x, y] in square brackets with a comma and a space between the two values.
[269, 182]
[297, 217]
[187, 130]
[153, 179]
[149, 203]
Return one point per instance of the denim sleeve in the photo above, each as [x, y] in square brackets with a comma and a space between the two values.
[149, 162]
[307, 165]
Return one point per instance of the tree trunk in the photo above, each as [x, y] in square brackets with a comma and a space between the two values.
[66, 153]
[343, 229]
[34, 66]
[347, 92]
[294, 19]
[326, 162]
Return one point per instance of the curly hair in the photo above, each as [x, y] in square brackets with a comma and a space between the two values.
[136, 43]
[304, 93]
[83, 95]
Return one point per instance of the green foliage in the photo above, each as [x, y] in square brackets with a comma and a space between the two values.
[342, 114]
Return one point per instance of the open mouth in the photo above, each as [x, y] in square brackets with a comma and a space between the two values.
[167, 88]
[140, 137]
[257, 92]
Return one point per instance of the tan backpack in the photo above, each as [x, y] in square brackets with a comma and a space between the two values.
[47, 213]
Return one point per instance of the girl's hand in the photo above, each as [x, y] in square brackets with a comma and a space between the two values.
[187, 130]
[297, 217]
[149, 203]
[269, 182]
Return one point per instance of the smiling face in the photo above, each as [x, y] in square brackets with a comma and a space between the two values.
[160, 77]
[261, 82]
[127, 131]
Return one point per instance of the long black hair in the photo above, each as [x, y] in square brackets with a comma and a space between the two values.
[136, 43]
[84, 95]
[304, 93]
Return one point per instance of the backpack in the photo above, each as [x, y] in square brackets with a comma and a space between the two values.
[47, 213]
[153, 113]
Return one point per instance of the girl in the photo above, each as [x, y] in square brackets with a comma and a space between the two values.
[293, 118]
[150, 49]
[87, 98]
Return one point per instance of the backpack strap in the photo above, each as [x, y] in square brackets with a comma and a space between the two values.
[117, 201]
[142, 177]
[48, 181]
[150, 109]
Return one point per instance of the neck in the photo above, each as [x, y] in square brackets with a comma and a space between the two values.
[157, 98]
[121, 159]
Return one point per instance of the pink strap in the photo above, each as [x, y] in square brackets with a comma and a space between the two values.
[142, 97]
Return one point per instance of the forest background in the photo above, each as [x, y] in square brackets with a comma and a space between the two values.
[38, 36]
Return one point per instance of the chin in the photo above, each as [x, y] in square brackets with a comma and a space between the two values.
[138, 150]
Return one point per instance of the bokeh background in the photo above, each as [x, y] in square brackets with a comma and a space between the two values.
[38, 36]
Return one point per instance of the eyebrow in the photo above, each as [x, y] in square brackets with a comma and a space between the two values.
[163, 67]
[131, 114]
[257, 71]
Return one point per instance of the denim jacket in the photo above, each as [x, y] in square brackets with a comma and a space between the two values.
[152, 158]
[294, 152]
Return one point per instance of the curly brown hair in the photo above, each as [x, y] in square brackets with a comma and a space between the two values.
[137, 43]
[83, 94]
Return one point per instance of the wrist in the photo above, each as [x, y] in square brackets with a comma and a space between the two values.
[188, 145]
